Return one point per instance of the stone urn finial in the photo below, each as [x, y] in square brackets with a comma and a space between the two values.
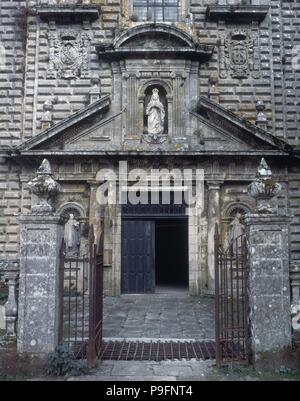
[261, 119]
[264, 188]
[45, 187]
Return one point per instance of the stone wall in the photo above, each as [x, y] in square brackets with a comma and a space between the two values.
[12, 67]
[270, 76]
[27, 85]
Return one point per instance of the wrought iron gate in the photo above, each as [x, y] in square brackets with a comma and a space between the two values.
[231, 301]
[81, 299]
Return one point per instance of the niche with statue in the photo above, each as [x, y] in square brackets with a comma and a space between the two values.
[155, 114]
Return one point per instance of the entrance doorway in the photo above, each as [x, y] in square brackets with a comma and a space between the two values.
[171, 251]
[154, 254]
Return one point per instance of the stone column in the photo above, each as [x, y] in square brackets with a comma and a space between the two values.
[213, 215]
[41, 235]
[269, 291]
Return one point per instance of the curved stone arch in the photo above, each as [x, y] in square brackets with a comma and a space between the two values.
[72, 207]
[152, 82]
[163, 29]
[236, 207]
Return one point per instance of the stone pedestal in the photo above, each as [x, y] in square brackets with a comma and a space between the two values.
[269, 288]
[40, 241]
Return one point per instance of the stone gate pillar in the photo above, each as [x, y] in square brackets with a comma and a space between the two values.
[40, 240]
[269, 287]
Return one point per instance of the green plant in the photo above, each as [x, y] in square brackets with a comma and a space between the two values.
[62, 362]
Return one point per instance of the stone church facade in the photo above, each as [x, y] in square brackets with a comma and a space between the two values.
[76, 79]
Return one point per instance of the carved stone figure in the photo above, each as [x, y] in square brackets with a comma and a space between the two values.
[72, 235]
[236, 228]
[156, 114]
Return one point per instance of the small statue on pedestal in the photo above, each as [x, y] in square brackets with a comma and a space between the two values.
[72, 236]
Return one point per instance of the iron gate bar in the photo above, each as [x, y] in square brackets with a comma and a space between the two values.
[81, 304]
[231, 301]
[157, 351]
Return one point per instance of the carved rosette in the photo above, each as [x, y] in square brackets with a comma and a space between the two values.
[45, 188]
[69, 54]
[155, 138]
[264, 188]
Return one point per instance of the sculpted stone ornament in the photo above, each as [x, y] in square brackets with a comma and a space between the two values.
[44, 187]
[69, 54]
[295, 312]
[236, 54]
[155, 112]
[72, 235]
[11, 276]
[264, 188]
[236, 228]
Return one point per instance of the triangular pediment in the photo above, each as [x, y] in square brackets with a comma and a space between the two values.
[223, 130]
[97, 129]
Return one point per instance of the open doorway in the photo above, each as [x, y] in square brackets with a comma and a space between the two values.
[171, 254]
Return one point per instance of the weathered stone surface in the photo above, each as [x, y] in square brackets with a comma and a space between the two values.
[2, 317]
[79, 139]
[41, 238]
[269, 285]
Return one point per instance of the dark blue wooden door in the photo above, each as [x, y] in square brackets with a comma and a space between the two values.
[138, 256]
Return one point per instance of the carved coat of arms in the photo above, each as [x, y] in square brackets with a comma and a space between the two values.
[237, 57]
[69, 54]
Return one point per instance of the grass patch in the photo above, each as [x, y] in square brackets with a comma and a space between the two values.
[240, 371]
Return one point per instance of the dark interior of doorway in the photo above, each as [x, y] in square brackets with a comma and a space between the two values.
[171, 259]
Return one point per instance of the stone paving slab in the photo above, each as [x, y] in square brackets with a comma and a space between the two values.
[165, 316]
[148, 371]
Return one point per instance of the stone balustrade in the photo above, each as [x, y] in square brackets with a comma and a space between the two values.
[10, 275]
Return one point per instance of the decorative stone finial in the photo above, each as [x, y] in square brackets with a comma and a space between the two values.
[261, 119]
[45, 187]
[213, 91]
[95, 91]
[47, 116]
[264, 188]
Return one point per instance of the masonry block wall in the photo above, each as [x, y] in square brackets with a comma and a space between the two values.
[26, 85]
[12, 67]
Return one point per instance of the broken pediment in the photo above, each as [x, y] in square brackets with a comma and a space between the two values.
[225, 121]
[97, 130]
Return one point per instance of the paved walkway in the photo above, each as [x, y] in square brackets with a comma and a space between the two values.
[150, 371]
[164, 315]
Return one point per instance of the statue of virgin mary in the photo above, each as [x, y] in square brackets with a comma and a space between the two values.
[156, 114]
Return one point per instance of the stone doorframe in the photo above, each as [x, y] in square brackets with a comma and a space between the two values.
[113, 240]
